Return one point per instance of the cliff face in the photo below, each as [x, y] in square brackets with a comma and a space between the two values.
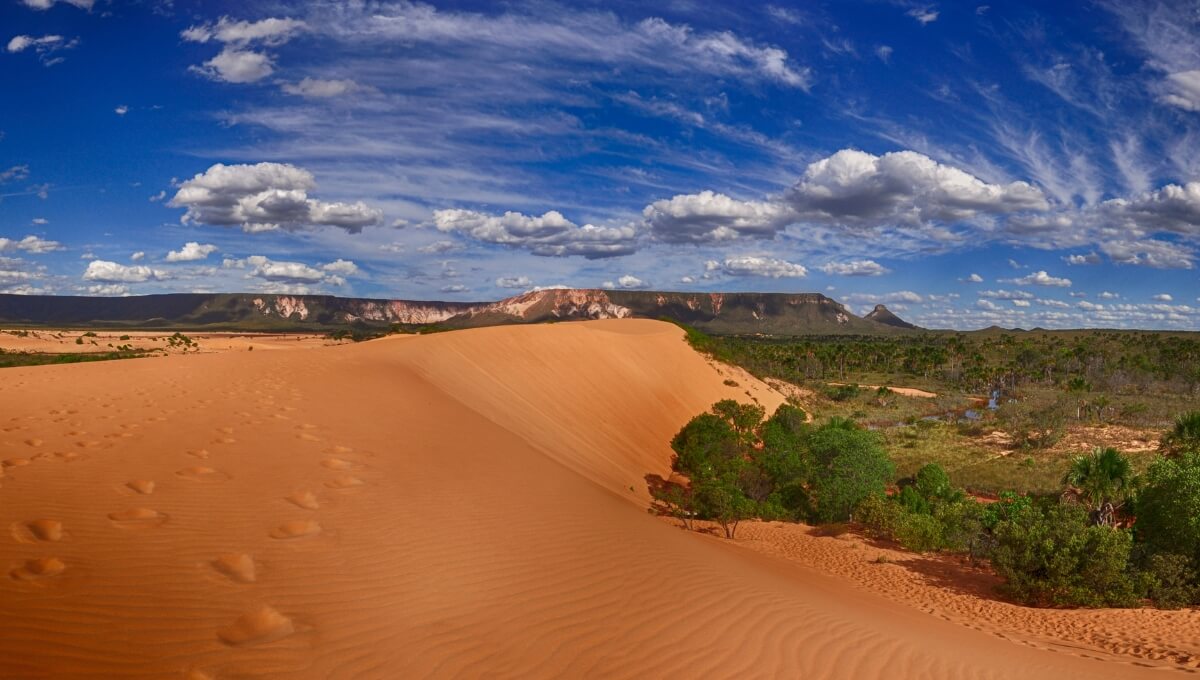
[883, 315]
[771, 313]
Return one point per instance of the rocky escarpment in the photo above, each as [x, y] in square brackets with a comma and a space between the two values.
[766, 313]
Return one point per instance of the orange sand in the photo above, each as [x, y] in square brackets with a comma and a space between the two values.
[63, 341]
[457, 505]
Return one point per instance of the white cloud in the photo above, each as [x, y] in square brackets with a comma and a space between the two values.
[14, 174]
[232, 65]
[1183, 90]
[1040, 278]
[265, 197]
[1006, 294]
[138, 256]
[923, 15]
[121, 110]
[316, 88]
[627, 282]
[1082, 259]
[34, 245]
[111, 272]
[1021, 303]
[750, 265]
[45, 47]
[1163, 297]
[342, 267]
[974, 278]
[897, 297]
[1108, 295]
[439, 247]
[709, 217]
[884, 52]
[47, 4]
[40, 220]
[271, 32]
[191, 252]
[855, 188]
[550, 234]
[455, 288]
[521, 282]
[855, 268]
[1149, 253]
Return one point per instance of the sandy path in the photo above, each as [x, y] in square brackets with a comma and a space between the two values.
[903, 391]
[455, 505]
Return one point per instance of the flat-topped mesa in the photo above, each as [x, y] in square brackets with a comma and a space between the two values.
[731, 313]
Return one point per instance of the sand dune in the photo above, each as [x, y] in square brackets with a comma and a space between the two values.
[458, 505]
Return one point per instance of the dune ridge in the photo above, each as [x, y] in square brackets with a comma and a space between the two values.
[495, 525]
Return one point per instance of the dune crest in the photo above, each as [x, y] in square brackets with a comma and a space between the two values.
[500, 529]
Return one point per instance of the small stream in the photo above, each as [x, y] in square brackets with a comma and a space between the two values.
[957, 415]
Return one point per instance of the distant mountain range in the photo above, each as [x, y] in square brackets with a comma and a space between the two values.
[722, 313]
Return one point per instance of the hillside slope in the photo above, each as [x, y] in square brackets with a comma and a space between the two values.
[452, 505]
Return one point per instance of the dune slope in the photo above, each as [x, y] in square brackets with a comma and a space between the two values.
[455, 505]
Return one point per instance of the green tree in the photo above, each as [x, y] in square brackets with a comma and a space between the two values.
[703, 444]
[849, 466]
[1106, 480]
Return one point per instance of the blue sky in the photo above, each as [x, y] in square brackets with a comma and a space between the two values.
[1021, 164]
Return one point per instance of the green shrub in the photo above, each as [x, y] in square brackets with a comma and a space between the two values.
[879, 516]
[919, 532]
[1056, 557]
[1171, 581]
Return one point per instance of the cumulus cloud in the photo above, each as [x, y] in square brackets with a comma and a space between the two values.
[1163, 297]
[138, 256]
[232, 65]
[238, 62]
[316, 88]
[265, 197]
[455, 288]
[973, 278]
[855, 268]
[104, 271]
[439, 247]
[521, 282]
[751, 265]
[709, 217]
[1172, 208]
[853, 192]
[1149, 253]
[191, 251]
[923, 15]
[108, 289]
[550, 234]
[1040, 278]
[293, 273]
[34, 245]
[627, 282]
[1081, 259]
[341, 267]
[855, 188]
[121, 110]
[1006, 294]
[897, 297]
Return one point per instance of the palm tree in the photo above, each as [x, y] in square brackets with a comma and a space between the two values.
[1104, 478]
[1184, 437]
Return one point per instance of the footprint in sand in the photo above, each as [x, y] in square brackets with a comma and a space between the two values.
[236, 567]
[68, 456]
[338, 448]
[16, 462]
[225, 430]
[297, 528]
[38, 530]
[142, 486]
[338, 464]
[202, 454]
[308, 437]
[33, 570]
[257, 626]
[201, 473]
[224, 440]
[34, 442]
[344, 482]
[303, 499]
[138, 518]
